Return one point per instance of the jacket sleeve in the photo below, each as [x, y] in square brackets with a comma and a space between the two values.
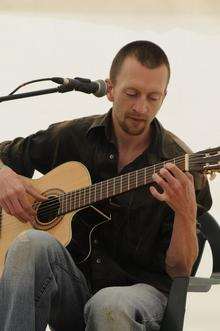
[41, 151]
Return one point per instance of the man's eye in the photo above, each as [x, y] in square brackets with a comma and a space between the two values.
[131, 94]
[154, 98]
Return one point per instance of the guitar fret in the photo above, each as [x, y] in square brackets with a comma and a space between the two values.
[74, 200]
[126, 182]
[122, 183]
[104, 189]
[101, 191]
[67, 202]
[114, 186]
[79, 195]
[129, 181]
[107, 188]
[84, 199]
[70, 205]
[92, 193]
[117, 185]
[95, 192]
[87, 195]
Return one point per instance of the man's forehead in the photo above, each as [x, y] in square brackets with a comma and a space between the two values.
[131, 63]
[133, 73]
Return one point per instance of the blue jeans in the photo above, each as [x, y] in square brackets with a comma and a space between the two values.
[42, 285]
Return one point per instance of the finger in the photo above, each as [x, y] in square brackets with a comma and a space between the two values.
[6, 206]
[177, 173]
[26, 205]
[35, 193]
[13, 209]
[20, 212]
[168, 176]
[156, 194]
[160, 181]
[6, 201]
[190, 176]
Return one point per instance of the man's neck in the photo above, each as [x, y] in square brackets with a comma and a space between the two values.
[130, 142]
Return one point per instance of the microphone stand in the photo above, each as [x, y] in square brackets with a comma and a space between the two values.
[60, 89]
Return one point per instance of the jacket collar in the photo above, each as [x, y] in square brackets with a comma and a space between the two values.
[161, 143]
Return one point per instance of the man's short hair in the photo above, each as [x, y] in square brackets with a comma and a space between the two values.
[146, 52]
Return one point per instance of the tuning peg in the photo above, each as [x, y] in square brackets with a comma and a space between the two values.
[212, 175]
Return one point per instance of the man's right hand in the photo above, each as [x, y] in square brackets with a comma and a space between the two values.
[13, 195]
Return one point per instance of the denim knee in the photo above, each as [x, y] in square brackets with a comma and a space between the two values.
[136, 307]
[32, 245]
[108, 303]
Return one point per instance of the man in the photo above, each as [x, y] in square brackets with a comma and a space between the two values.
[151, 237]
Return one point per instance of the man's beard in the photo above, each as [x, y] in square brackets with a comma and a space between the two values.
[133, 130]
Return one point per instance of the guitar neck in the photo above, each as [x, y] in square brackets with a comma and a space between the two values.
[114, 186]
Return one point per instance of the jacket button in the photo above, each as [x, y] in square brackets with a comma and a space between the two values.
[111, 156]
[98, 260]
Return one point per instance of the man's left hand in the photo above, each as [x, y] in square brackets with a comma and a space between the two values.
[178, 189]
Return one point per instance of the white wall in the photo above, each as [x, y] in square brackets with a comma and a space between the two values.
[75, 43]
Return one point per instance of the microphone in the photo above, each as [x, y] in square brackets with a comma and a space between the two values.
[98, 87]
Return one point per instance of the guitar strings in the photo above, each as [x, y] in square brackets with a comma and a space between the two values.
[196, 160]
[110, 183]
[73, 194]
[54, 205]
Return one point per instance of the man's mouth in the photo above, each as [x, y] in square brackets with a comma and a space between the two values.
[138, 119]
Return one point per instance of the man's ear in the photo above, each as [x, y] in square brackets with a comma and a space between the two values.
[109, 90]
[164, 96]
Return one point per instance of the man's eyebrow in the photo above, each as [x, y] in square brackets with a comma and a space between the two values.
[156, 92]
[135, 88]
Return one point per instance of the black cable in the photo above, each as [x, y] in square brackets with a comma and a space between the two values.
[31, 81]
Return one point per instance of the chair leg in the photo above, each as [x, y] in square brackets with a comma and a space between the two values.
[174, 314]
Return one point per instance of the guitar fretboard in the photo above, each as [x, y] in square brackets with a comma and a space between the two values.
[111, 187]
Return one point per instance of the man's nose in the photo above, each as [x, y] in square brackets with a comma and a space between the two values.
[141, 105]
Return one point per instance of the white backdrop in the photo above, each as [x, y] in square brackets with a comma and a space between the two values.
[35, 45]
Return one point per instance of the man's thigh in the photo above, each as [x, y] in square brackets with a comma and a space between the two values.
[133, 307]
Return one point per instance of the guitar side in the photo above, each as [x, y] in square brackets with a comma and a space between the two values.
[64, 178]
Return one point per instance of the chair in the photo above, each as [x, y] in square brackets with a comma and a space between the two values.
[174, 314]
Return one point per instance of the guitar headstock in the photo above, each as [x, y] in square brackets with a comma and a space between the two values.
[206, 161]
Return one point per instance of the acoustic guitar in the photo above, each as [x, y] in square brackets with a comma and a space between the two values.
[70, 192]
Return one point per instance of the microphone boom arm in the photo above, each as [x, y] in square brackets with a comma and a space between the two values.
[82, 85]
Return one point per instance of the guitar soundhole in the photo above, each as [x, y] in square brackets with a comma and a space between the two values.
[48, 210]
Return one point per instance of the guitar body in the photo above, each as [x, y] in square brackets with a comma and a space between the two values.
[71, 196]
[69, 176]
